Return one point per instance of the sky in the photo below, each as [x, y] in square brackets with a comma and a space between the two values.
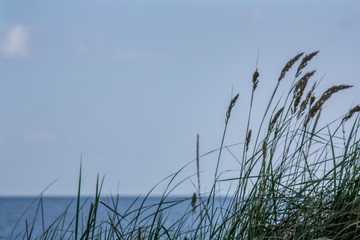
[127, 85]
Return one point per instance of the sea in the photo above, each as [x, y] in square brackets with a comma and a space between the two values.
[24, 215]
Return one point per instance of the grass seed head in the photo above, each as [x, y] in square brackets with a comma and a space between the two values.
[304, 62]
[139, 233]
[326, 95]
[312, 100]
[264, 151]
[288, 65]
[232, 104]
[255, 79]
[309, 97]
[351, 113]
[248, 137]
[299, 89]
[275, 118]
[193, 202]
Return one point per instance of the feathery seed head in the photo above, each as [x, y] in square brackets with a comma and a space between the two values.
[351, 113]
[304, 62]
[312, 100]
[264, 150]
[326, 95]
[309, 97]
[193, 202]
[275, 118]
[248, 137]
[232, 104]
[255, 79]
[299, 89]
[288, 65]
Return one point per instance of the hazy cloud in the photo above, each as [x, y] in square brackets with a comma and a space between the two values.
[15, 43]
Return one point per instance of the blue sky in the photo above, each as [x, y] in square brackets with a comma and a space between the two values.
[129, 84]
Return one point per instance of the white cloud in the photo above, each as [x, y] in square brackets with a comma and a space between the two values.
[16, 42]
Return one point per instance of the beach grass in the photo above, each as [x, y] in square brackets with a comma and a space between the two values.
[298, 178]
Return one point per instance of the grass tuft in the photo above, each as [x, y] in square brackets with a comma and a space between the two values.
[301, 181]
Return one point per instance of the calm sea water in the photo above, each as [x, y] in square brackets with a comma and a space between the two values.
[16, 212]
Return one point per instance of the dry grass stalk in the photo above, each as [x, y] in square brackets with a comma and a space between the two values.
[232, 104]
[351, 113]
[299, 89]
[275, 118]
[304, 62]
[326, 95]
[309, 96]
[255, 79]
[248, 137]
[288, 65]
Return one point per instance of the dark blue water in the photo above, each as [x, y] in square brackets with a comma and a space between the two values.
[17, 213]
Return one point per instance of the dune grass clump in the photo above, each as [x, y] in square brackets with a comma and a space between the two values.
[298, 178]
